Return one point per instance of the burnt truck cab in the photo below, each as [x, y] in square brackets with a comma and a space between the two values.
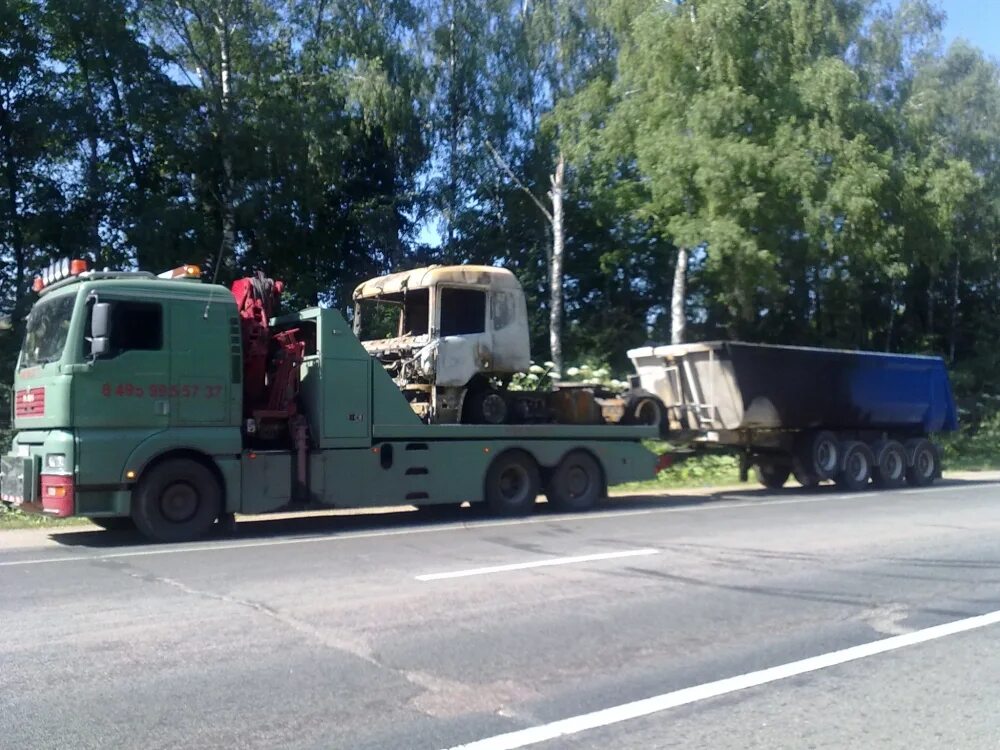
[449, 336]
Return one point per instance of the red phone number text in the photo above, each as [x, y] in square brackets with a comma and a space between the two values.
[159, 390]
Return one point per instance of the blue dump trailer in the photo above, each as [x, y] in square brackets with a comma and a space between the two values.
[818, 414]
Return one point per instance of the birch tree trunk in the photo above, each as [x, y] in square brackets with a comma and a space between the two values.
[226, 198]
[556, 265]
[678, 319]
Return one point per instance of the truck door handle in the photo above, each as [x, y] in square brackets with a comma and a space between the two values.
[161, 408]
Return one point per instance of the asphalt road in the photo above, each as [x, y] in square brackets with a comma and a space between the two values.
[398, 631]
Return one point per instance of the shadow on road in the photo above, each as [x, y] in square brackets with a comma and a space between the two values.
[405, 518]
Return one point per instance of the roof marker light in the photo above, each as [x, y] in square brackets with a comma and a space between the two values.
[57, 271]
[186, 271]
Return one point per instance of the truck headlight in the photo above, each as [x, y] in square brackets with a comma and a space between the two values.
[55, 460]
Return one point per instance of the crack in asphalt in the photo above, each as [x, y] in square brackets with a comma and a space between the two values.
[439, 697]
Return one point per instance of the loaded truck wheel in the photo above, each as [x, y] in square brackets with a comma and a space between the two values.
[512, 484]
[773, 476]
[820, 454]
[484, 406]
[889, 471]
[114, 523]
[577, 482]
[857, 466]
[176, 501]
[924, 463]
[642, 407]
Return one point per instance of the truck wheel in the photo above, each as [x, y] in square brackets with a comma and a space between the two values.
[889, 471]
[771, 475]
[512, 484]
[923, 463]
[176, 501]
[644, 408]
[577, 483]
[484, 406]
[114, 523]
[820, 454]
[856, 469]
[803, 476]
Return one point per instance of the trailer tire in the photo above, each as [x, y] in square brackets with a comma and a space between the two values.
[889, 470]
[924, 462]
[771, 475]
[512, 484]
[803, 476]
[177, 500]
[856, 467]
[577, 483]
[114, 523]
[821, 454]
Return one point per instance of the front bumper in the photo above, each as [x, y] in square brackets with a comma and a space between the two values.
[24, 488]
[18, 480]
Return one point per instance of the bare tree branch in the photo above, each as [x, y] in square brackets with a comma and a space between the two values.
[510, 173]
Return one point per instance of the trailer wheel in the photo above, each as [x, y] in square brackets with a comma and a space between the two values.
[577, 483]
[772, 476]
[803, 476]
[821, 454]
[889, 471]
[924, 462]
[113, 523]
[512, 484]
[856, 469]
[177, 500]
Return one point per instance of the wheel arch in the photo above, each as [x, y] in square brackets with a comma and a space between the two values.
[191, 453]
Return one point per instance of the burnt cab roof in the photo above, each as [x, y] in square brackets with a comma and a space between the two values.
[483, 277]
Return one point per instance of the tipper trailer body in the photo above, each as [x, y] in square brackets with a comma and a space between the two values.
[805, 411]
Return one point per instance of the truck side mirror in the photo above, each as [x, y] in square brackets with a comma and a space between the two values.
[100, 317]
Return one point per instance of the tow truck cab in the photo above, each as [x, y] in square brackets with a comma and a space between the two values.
[111, 363]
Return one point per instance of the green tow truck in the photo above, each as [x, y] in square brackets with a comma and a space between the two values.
[170, 403]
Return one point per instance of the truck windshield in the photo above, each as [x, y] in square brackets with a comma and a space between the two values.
[393, 315]
[46, 330]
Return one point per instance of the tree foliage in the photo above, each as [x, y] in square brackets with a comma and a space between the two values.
[828, 166]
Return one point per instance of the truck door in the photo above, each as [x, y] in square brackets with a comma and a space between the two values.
[465, 347]
[201, 388]
[117, 390]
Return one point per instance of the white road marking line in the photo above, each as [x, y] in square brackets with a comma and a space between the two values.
[536, 564]
[743, 502]
[685, 696]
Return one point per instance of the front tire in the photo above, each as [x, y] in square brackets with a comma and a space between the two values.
[177, 500]
[577, 484]
[512, 484]
[484, 406]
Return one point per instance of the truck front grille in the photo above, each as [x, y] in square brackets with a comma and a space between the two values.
[29, 402]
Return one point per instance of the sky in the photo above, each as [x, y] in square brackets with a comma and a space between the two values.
[977, 21]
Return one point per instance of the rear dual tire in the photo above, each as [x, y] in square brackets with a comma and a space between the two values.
[857, 466]
[513, 483]
[924, 464]
[889, 470]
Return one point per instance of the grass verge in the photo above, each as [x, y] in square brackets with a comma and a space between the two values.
[15, 519]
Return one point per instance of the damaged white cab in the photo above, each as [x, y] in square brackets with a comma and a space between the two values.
[451, 337]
